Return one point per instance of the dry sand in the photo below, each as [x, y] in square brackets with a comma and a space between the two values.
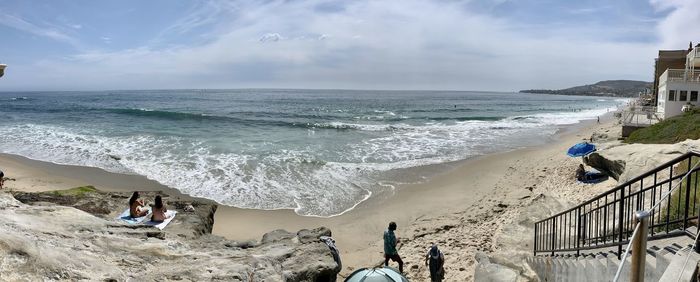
[463, 209]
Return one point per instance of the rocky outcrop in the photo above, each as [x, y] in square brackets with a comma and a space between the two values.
[624, 162]
[612, 167]
[486, 271]
[64, 237]
[108, 205]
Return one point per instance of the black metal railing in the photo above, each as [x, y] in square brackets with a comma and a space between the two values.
[607, 221]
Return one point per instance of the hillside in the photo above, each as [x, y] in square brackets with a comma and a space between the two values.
[615, 88]
[672, 130]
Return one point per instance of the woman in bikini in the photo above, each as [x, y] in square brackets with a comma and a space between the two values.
[159, 210]
[136, 206]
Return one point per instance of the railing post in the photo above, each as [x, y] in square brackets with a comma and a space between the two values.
[534, 244]
[554, 232]
[578, 231]
[687, 194]
[697, 246]
[639, 247]
[620, 223]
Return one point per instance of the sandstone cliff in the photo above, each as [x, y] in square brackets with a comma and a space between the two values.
[73, 236]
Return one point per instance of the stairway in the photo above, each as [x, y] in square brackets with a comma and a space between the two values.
[664, 262]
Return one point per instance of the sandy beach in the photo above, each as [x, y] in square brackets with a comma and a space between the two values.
[461, 209]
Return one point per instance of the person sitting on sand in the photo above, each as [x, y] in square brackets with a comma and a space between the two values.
[580, 173]
[435, 261]
[159, 210]
[136, 206]
[390, 252]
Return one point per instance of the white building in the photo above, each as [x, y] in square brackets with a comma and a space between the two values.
[679, 87]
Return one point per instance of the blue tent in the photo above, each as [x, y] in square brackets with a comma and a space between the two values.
[379, 274]
[581, 149]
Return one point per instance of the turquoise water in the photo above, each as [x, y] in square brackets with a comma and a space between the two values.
[319, 152]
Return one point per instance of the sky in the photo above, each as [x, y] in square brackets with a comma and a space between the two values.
[488, 45]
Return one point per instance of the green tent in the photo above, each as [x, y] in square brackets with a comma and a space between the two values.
[379, 274]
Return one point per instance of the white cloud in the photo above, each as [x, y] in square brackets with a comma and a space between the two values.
[681, 24]
[21, 24]
[407, 44]
[270, 37]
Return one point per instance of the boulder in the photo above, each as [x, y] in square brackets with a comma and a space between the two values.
[277, 236]
[306, 236]
[612, 167]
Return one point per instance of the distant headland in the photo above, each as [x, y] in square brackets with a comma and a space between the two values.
[614, 88]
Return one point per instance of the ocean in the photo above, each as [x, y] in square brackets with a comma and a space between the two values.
[319, 152]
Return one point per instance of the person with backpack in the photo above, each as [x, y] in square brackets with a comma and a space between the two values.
[435, 261]
[390, 252]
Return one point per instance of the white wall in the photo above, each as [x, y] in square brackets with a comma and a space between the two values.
[673, 108]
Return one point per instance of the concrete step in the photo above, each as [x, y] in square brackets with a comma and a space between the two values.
[675, 270]
[660, 262]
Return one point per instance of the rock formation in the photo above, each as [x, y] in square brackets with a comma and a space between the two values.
[74, 236]
[612, 167]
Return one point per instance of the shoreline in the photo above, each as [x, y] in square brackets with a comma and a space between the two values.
[357, 232]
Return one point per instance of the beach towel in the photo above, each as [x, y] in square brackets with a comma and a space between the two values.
[126, 217]
[593, 177]
[160, 225]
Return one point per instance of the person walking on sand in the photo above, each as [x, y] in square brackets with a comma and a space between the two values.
[598, 119]
[390, 252]
[435, 261]
[2, 179]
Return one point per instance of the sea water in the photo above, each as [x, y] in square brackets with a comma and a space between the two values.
[319, 152]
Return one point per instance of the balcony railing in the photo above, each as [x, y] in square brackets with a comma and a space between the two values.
[640, 116]
[676, 75]
[695, 53]
[693, 58]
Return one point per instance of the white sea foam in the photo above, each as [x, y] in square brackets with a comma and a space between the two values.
[285, 178]
[278, 181]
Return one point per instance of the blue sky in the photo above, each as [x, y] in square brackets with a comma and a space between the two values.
[496, 45]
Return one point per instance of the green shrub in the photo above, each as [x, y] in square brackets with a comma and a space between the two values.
[672, 130]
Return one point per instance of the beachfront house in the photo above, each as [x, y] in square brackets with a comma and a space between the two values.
[679, 87]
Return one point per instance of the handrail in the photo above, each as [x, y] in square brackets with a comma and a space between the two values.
[695, 243]
[624, 257]
[605, 220]
[632, 181]
[674, 188]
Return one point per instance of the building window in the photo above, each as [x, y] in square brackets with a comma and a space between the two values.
[693, 96]
[672, 95]
[684, 96]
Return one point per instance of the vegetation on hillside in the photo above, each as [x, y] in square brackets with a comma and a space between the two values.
[676, 205]
[616, 88]
[672, 130]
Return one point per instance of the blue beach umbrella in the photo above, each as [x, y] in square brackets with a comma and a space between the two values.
[379, 274]
[581, 149]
